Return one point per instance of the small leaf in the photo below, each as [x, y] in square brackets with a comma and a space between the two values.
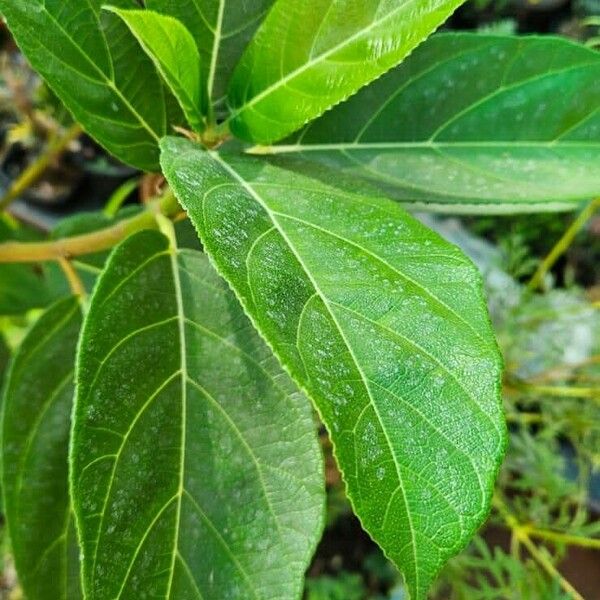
[196, 469]
[94, 66]
[308, 56]
[35, 438]
[383, 323]
[173, 50]
[473, 123]
[221, 28]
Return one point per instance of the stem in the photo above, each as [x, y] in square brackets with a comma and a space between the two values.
[562, 538]
[558, 391]
[89, 243]
[75, 282]
[563, 244]
[36, 170]
[525, 418]
[521, 534]
[13, 252]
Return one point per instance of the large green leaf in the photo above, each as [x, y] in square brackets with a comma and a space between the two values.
[308, 56]
[221, 28]
[35, 437]
[195, 466]
[383, 323]
[94, 65]
[173, 50]
[497, 124]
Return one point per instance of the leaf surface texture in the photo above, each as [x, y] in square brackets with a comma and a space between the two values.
[383, 323]
[196, 469]
[505, 124]
[38, 399]
[308, 56]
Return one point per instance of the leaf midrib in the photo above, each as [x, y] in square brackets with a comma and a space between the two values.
[215, 50]
[184, 379]
[389, 266]
[427, 144]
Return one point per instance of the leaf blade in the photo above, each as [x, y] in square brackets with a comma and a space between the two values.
[87, 60]
[172, 49]
[472, 121]
[304, 57]
[360, 303]
[36, 424]
[221, 29]
[214, 366]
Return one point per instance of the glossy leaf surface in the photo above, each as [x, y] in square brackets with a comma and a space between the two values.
[35, 438]
[502, 124]
[308, 56]
[173, 50]
[383, 323]
[221, 28]
[95, 66]
[196, 469]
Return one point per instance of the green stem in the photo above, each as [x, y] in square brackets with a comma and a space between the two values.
[562, 538]
[563, 244]
[32, 174]
[522, 535]
[14, 252]
[89, 243]
[71, 276]
[557, 390]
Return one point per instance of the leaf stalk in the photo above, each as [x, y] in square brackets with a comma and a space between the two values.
[563, 244]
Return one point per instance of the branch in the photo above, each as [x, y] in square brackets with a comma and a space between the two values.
[521, 534]
[563, 244]
[562, 538]
[89, 243]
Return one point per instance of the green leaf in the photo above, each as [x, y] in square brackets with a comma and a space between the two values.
[383, 323]
[195, 466]
[173, 50]
[221, 28]
[4, 357]
[473, 123]
[94, 65]
[35, 436]
[308, 56]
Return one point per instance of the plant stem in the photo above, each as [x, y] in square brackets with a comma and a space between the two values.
[36, 170]
[563, 244]
[522, 535]
[562, 538]
[559, 391]
[13, 252]
[525, 418]
[89, 243]
[75, 282]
